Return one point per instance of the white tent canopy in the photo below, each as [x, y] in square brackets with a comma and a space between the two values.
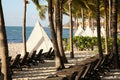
[38, 39]
[88, 32]
[102, 32]
[95, 32]
[79, 31]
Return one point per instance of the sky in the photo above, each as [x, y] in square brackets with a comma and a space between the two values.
[13, 13]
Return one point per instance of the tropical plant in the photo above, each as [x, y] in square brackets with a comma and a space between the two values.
[42, 9]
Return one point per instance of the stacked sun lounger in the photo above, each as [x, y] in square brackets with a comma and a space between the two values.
[30, 59]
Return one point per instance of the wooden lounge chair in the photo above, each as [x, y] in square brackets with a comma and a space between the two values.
[15, 62]
[109, 62]
[23, 61]
[98, 70]
[30, 59]
[72, 77]
[38, 57]
[100, 67]
[52, 55]
[87, 73]
[9, 58]
[80, 73]
[46, 55]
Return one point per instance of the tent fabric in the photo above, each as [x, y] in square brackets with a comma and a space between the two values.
[79, 31]
[38, 39]
[102, 32]
[88, 32]
[95, 32]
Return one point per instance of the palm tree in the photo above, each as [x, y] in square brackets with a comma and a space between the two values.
[110, 17]
[4, 48]
[98, 28]
[58, 60]
[114, 32]
[71, 30]
[83, 19]
[24, 27]
[106, 25]
[59, 29]
[40, 8]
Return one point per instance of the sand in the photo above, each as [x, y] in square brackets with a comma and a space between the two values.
[42, 71]
[15, 48]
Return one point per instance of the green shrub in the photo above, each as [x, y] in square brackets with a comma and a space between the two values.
[88, 43]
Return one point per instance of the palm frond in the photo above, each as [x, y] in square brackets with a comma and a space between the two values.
[41, 8]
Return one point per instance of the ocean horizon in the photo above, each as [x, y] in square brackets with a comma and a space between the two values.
[14, 33]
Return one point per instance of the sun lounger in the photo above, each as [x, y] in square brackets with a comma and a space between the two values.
[46, 55]
[23, 61]
[80, 73]
[14, 64]
[100, 68]
[30, 59]
[87, 73]
[72, 77]
[52, 55]
[39, 57]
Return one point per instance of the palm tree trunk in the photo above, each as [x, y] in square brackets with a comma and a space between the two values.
[82, 12]
[92, 24]
[89, 21]
[4, 48]
[54, 17]
[106, 36]
[76, 20]
[98, 30]
[24, 27]
[71, 30]
[58, 62]
[106, 27]
[110, 10]
[114, 27]
[60, 42]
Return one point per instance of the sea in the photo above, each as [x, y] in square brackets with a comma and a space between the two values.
[14, 33]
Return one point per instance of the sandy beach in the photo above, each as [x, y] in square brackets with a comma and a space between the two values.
[42, 71]
[15, 48]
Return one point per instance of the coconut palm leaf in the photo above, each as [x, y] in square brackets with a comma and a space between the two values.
[41, 8]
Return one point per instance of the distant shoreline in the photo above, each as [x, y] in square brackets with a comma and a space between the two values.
[69, 27]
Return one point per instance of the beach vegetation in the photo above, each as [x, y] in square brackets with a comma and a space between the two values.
[41, 8]
[81, 43]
